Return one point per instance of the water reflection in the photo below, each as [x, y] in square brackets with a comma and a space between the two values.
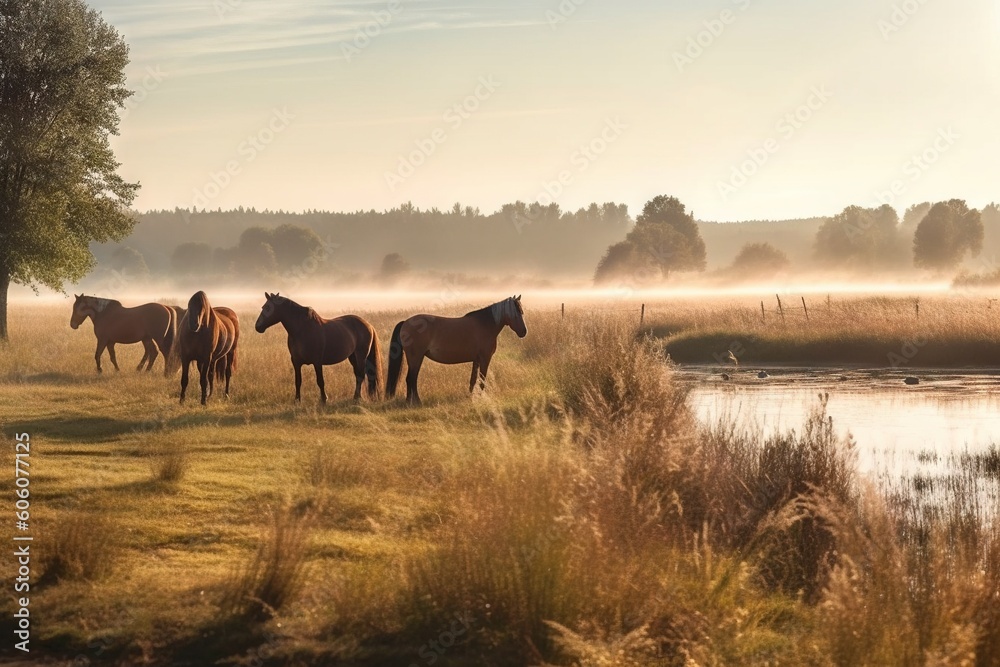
[897, 428]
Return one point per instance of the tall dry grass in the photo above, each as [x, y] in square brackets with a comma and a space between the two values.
[275, 573]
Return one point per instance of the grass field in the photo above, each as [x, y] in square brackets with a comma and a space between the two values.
[574, 514]
[936, 331]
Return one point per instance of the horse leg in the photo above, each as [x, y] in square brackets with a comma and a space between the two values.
[483, 367]
[145, 355]
[298, 382]
[358, 364]
[320, 382]
[153, 352]
[111, 353]
[97, 355]
[185, 369]
[204, 369]
[475, 376]
[413, 370]
[229, 370]
[211, 376]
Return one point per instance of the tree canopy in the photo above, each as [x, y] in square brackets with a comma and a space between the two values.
[759, 260]
[860, 238]
[948, 232]
[665, 239]
[62, 85]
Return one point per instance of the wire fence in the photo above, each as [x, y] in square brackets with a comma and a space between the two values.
[789, 309]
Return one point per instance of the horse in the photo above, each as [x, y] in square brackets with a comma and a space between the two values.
[451, 340]
[150, 324]
[209, 337]
[318, 342]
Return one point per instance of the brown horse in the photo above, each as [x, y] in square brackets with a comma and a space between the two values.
[209, 337]
[150, 324]
[319, 342]
[451, 340]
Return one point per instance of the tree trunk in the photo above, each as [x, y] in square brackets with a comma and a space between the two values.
[4, 286]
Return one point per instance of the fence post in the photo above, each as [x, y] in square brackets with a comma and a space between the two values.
[642, 315]
[563, 311]
[805, 308]
[917, 305]
[781, 310]
[763, 318]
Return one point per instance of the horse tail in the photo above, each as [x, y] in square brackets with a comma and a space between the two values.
[395, 362]
[168, 341]
[373, 367]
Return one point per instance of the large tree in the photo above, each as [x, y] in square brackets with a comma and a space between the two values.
[860, 238]
[948, 232]
[62, 84]
[665, 239]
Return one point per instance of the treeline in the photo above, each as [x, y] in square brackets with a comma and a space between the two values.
[548, 244]
[519, 238]
[937, 238]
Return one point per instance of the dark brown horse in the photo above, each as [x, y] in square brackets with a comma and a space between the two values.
[319, 342]
[209, 337]
[150, 324]
[451, 340]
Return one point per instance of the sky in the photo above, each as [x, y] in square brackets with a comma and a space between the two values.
[743, 109]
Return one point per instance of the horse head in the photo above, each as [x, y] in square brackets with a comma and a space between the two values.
[198, 311]
[515, 316]
[269, 312]
[80, 311]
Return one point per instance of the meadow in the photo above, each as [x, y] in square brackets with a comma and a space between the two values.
[573, 514]
[953, 331]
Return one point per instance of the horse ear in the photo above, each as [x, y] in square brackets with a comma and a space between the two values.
[266, 295]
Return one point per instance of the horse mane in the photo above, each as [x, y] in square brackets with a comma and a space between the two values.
[492, 314]
[203, 303]
[298, 310]
[101, 303]
[484, 315]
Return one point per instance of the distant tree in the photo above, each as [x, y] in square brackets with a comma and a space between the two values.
[665, 239]
[254, 256]
[759, 260]
[294, 246]
[991, 232]
[130, 263]
[949, 232]
[393, 268]
[62, 83]
[191, 259]
[859, 238]
[913, 216]
[621, 261]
